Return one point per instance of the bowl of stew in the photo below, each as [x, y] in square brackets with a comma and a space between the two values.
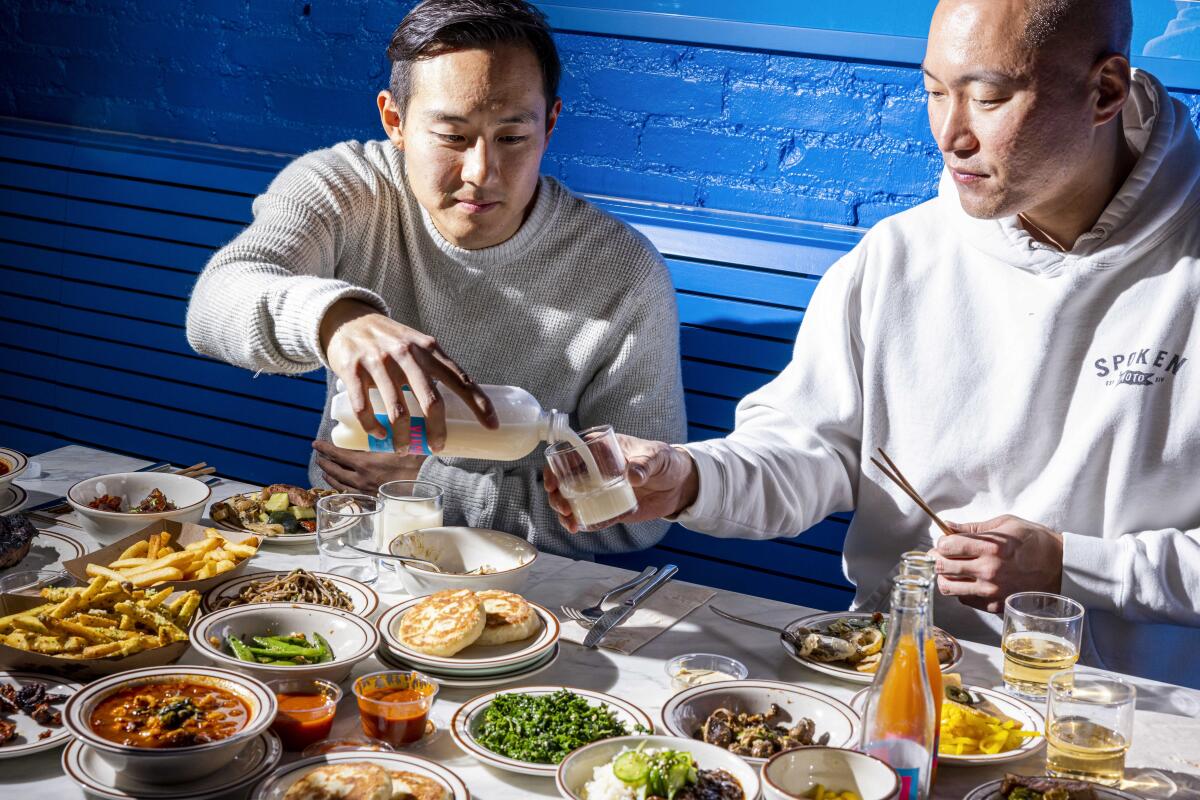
[169, 725]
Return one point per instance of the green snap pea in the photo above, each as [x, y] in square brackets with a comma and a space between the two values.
[239, 648]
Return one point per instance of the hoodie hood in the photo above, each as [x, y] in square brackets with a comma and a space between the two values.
[1160, 194]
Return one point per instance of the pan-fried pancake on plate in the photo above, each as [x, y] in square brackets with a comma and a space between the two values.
[356, 780]
[411, 786]
[509, 617]
[443, 623]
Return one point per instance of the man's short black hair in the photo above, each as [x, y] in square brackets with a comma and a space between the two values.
[434, 27]
[1094, 28]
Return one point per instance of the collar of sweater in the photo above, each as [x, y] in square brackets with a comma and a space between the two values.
[514, 247]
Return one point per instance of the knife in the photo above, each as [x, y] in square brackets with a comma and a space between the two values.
[617, 615]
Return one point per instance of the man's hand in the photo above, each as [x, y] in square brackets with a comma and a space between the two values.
[663, 477]
[367, 349]
[362, 472]
[984, 562]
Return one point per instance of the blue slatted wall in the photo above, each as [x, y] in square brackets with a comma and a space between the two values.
[101, 238]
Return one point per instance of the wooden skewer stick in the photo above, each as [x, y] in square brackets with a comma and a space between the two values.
[199, 473]
[897, 477]
[191, 469]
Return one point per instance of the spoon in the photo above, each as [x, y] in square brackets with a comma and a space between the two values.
[791, 637]
[419, 563]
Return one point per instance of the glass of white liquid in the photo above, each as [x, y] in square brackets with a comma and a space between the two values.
[590, 468]
[346, 521]
[407, 506]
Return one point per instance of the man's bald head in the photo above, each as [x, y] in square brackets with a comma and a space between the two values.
[1089, 29]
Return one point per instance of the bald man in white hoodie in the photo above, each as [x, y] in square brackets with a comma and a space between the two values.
[1022, 346]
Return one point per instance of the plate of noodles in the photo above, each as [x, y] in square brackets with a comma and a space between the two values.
[295, 586]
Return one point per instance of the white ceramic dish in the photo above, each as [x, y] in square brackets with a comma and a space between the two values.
[389, 659]
[12, 497]
[363, 598]
[793, 773]
[468, 719]
[475, 659]
[459, 550]
[991, 791]
[819, 621]
[29, 729]
[178, 764]
[577, 768]
[277, 785]
[686, 712]
[1031, 719]
[351, 637]
[16, 461]
[50, 549]
[96, 777]
[287, 539]
[188, 494]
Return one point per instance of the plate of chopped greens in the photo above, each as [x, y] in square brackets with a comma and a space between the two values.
[531, 731]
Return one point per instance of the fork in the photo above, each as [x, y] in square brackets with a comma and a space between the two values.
[590, 614]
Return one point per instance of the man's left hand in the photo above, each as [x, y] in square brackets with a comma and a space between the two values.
[362, 471]
[984, 562]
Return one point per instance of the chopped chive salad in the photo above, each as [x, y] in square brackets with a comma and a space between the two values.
[542, 729]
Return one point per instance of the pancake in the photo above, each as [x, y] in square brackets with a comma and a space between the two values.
[411, 786]
[509, 617]
[443, 623]
[353, 780]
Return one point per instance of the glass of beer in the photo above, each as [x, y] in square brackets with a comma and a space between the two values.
[1041, 636]
[1089, 726]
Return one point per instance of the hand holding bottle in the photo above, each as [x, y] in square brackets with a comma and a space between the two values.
[366, 349]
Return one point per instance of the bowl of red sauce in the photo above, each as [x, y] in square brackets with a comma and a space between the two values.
[307, 707]
[394, 706]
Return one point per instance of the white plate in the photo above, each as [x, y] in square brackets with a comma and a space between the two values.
[475, 659]
[276, 786]
[12, 497]
[1030, 718]
[688, 709]
[455, 682]
[28, 729]
[819, 621]
[283, 539]
[465, 724]
[991, 791]
[97, 777]
[364, 599]
[16, 461]
[48, 552]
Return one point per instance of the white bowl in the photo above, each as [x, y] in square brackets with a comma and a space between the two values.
[684, 713]
[188, 494]
[364, 600]
[170, 765]
[790, 774]
[350, 636]
[576, 769]
[16, 462]
[461, 550]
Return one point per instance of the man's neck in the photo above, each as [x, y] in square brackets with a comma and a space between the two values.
[1068, 217]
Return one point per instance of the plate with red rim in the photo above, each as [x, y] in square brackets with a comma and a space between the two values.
[12, 497]
[276, 786]
[364, 600]
[390, 659]
[15, 463]
[469, 717]
[991, 791]
[28, 729]
[48, 551]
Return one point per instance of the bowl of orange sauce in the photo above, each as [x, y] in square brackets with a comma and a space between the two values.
[307, 707]
[394, 706]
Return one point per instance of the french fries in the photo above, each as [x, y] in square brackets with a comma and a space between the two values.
[106, 619]
[155, 561]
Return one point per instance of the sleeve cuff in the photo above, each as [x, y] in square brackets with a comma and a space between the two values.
[705, 513]
[298, 312]
[1092, 572]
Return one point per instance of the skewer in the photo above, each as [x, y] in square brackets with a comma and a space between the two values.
[897, 477]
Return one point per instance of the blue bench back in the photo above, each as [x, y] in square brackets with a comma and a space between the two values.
[102, 236]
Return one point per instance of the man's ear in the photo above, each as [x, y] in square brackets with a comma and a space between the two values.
[552, 120]
[390, 118]
[1111, 79]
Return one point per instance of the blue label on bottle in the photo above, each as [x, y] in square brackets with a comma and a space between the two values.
[418, 442]
[910, 782]
[383, 445]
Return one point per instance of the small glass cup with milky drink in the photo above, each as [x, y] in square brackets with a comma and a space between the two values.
[590, 468]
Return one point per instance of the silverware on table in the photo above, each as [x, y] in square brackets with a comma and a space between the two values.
[592, 613]
[617, 615]
[791, 636]
[420, 563]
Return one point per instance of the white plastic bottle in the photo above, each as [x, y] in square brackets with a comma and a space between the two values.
[523, 425]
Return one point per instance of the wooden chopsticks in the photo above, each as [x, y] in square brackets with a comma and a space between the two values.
[898, 478]
[196, 470]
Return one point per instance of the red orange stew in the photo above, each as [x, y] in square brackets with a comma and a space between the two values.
[169, 715]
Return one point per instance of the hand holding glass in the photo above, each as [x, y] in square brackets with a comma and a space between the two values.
[590, 468]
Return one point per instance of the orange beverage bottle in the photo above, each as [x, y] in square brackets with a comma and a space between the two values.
[899, 717]
[920, 564]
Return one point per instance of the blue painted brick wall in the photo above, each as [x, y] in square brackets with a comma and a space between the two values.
[819, 139]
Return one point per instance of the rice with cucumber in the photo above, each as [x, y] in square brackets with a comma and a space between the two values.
[645, 773]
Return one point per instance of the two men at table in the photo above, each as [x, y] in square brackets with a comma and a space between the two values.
[1022, 346]
[442, 253]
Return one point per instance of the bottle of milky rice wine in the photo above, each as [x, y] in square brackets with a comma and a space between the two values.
[523, 425]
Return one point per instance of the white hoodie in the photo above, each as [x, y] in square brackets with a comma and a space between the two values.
[1004, 377]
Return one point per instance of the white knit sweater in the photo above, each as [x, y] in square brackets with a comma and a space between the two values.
[577, 308]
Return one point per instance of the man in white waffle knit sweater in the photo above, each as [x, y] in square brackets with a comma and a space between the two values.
[440, 258]
[1024, 347]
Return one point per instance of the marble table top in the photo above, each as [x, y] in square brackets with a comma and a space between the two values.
[1163, 762]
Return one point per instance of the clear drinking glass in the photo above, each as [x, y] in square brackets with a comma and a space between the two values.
[1089, 726]
[590, 468]
[344, 520]
[1041, 636]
